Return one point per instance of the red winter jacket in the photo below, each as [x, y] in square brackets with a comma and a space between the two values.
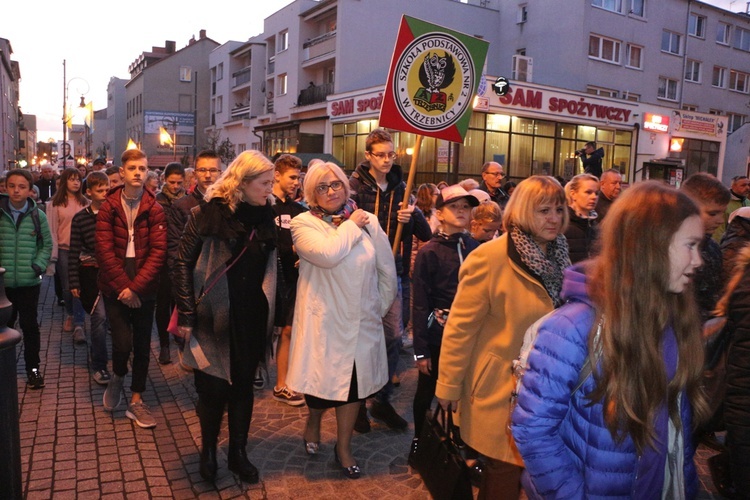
[112, 240]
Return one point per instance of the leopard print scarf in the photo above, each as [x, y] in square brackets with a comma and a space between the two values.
[548, 267]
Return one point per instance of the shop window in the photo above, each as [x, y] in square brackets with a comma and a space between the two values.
[697, 26]
[521, 147]
[670, 42]
[693, 71]
[604, 49]
[586, 133]
[605, 135]
[498, 122]
[667, 89]
[472, 153]
[723, 31]
[635, 57]
[496, 145]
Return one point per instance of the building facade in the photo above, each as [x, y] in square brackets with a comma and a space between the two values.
[10, 115]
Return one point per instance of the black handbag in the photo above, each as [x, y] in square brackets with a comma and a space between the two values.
[438, 460]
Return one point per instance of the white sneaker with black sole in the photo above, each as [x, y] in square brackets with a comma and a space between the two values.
[141, 415]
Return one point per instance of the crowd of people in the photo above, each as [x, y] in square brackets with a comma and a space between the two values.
[610, 294]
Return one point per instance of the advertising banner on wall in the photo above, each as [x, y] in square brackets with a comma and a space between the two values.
[432, 80]
[153, 120]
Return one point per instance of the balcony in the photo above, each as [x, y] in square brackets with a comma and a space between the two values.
[271, 66]
[269, 106]
[319, 46]
[242, 76]
[242, 111]
[317, 93]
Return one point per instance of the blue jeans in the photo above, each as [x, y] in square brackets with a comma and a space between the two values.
[98, 349]
[392, 327]
[73, 306]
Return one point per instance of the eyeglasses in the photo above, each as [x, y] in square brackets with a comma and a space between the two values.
[207, 170]
[323, 188]
[496, 174]
[382, 156]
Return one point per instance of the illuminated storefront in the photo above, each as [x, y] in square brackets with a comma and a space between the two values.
[536, 130]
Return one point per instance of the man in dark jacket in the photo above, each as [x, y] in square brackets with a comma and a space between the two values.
[492, 178]
[46, 185]
[131, 247]
[378, 187]
[591, 159]
[609, 189]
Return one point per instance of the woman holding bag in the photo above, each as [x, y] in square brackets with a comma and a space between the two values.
[226, 333]
[347, 281]
[630, 314]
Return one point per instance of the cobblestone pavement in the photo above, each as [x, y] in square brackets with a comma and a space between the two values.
[72, 448]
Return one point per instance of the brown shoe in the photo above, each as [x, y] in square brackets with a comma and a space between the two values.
[68, 325]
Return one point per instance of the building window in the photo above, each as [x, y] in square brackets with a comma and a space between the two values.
[220, 72]
[638, 8]
[735, 121]
[601, 91]
[604, 49]
[722, 33]
[717, 112]
[697, 26]
[635, 57]
[186, 73]
[719, 77]
[613, 5]
[283, 42]
[631, 96]
[522, 68]
[667, 89]
[742, 39]
[693, 71]
[281, 86]
[738, 81]
[670, 42]
[690, 107]
[218, 104]
[523, 14]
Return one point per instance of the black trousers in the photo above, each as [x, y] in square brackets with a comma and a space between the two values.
[425, 392]
[131, 332]
[25, 301]
[214, 394]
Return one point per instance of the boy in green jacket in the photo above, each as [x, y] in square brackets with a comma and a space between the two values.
[25, 249]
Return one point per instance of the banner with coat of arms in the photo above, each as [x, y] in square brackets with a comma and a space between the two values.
[432, 80]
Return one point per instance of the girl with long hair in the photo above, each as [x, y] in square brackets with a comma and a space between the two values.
[227, 259]
[625, 429]
[67, 201]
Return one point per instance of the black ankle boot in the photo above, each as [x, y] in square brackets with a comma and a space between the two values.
[208, 463]
[240, 465]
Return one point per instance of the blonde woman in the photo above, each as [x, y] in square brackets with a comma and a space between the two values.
[581, 193]
[228, 330]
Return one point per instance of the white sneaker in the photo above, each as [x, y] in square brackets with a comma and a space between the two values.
[141, 415]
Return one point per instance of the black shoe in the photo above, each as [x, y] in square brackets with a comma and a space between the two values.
[721, 476]
[382, 410]
[351, 472]
[164, 357]
[362, 425]
[35, 379]
[240, 465]
[413, 451]
[208, 463]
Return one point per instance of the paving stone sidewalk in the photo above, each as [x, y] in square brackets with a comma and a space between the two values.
[72, 448]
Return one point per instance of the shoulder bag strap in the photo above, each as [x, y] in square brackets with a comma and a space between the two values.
[224, 271]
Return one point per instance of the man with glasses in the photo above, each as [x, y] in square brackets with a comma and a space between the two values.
[492, 178]
[207, 170]
[378, 187]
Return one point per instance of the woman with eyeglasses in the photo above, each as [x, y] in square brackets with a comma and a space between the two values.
[227, 263]
[347, 282]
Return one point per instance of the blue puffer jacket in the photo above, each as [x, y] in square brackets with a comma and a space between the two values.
[567, 449]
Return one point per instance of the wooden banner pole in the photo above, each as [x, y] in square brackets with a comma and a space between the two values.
[407, 192]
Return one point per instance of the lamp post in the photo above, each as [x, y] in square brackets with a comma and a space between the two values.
[65, 118]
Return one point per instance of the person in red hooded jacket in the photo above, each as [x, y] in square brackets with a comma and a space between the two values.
[131, 248]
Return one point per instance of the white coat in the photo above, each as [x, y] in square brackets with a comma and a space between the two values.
[347, 282]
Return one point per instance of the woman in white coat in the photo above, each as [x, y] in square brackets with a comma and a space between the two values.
[347, 282]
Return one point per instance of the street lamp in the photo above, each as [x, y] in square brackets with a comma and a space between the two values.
[66, 119]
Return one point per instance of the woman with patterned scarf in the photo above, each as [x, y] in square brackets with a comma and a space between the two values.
[504, 286]
[347, 282]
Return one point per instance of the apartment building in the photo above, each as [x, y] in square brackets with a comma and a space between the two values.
[662, 85]
[165, 90]
[10, 74]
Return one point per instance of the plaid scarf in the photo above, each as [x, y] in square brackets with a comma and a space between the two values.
[335, 218]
